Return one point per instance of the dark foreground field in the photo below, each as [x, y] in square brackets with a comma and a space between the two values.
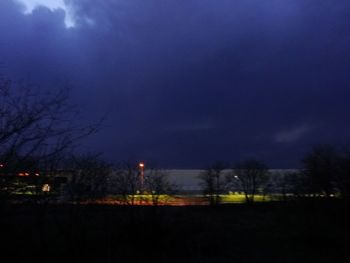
[266, 232]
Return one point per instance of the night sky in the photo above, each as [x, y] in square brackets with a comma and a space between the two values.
[190, 82]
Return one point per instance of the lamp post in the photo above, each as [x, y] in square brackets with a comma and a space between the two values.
[142, 175]
[1, 166]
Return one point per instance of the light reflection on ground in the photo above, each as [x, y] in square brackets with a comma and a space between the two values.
[180, 200]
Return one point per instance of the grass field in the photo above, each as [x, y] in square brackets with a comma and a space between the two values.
[309, 231]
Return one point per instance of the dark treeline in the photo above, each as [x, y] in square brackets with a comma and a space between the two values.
[325, 173]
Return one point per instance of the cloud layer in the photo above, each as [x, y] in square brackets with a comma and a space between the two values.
[188, 82]
[53, 5]
[293, 135]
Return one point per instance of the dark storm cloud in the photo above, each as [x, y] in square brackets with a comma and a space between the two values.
[188, 82]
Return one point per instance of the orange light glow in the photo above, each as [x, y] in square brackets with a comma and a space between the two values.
[141, 165]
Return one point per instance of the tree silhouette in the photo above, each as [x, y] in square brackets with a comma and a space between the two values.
[213, 183]
[320, 167]
[250, 176]
[89, 178]
[37, 128]
[159, 187]
[125, 183]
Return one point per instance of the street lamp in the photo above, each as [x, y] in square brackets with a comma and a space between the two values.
[142, 174]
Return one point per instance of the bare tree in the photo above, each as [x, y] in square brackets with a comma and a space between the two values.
[286, 184]
[36, 125]
[89, 178]
[125, 183]
[250, 176]
[213, 183]
[342, 178]
[159, 187]
[320, 169]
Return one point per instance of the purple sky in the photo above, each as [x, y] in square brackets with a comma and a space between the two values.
[191, 82]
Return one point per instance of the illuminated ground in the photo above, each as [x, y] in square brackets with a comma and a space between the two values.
[183, 200]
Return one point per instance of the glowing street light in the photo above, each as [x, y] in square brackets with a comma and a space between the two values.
[142, 174]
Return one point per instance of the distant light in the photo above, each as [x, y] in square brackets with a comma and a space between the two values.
[236, 176]
[141, 165]
[46, 188]
[23, 174]
[37, 174]
[1, 165]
